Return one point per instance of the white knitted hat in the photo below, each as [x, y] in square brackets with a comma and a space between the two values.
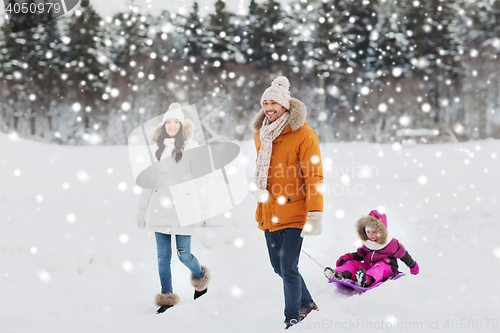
[278, 92]
[174, 111]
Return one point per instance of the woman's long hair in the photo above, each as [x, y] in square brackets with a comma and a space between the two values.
[161, 134]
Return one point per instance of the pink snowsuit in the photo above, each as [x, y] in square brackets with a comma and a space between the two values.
[379, 264]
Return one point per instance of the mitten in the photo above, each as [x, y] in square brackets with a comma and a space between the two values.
[415, 269]
[139, 218]
[343, 259]
[313, 224]
[261, 195]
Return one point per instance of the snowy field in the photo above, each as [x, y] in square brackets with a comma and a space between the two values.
[73, 260]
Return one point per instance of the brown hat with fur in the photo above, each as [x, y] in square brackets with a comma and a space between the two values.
[376, 221]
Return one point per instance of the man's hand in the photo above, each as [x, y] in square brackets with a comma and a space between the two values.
[261, 195]
[313, 224]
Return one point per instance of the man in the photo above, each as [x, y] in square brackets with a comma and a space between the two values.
[288, 186]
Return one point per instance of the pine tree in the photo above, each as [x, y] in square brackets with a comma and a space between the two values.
[220, 33]
[354, 20]
[196, 42]
[484, 27]
[252, 35]
[435, 50]
[134, 54]
[481, 31]
[32, 63]
[324, 41]
[13, 71]
[266, 42]
[87, 75]
[389, 45]
[275, 36]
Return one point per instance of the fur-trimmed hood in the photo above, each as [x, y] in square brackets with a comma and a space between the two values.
[374, 223]
[297, 118]
[188, 129]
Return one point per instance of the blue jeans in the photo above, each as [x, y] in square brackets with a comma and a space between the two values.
[164, 250]
[284, 250]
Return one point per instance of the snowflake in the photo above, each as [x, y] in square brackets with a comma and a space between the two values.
[238, 242]
[236, 291]
[71, 218]
[382, 107]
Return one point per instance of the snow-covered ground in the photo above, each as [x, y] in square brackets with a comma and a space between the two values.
[73, 260]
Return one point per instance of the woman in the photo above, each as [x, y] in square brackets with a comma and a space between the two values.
[172, 137]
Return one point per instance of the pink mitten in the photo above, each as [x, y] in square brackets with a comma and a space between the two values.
[414, 270]
[342, 260]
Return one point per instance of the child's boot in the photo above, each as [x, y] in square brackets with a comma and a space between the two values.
[361, 277]
[332, 274]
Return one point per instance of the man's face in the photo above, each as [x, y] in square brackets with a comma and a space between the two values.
[273, 110]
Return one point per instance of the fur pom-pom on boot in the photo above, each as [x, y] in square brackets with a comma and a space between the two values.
[167, 299]
[202, 282]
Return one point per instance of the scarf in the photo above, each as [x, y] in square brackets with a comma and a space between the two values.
[169, 147]
[268, 132]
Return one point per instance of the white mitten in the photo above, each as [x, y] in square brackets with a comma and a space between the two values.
[139, 218]
[261, 195]
[313, 224]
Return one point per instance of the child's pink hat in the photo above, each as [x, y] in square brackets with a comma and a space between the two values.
[379, 216]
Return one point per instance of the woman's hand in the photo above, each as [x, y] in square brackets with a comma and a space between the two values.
[139, 218]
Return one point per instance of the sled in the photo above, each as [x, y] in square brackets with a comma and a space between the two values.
[348, 286]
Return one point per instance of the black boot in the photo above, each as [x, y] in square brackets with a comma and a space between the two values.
[200, 284]
[163, 308]
[198, 294]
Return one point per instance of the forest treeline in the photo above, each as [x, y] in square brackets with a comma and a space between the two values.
[365, 69]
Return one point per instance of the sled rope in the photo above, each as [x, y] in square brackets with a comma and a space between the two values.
[313, 259]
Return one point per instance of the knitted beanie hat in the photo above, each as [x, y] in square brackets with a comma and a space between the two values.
[175, 112]
[278, 92]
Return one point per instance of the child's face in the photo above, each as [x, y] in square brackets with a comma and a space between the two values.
[372, 235]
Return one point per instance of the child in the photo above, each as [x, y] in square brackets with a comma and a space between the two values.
[375, 261]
